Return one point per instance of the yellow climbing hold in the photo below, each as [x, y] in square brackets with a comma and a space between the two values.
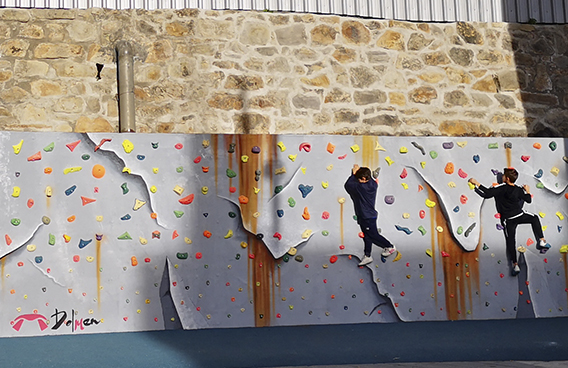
[292, 251]
[324, 184]
[16, 192]
[99, 218]
[451, 184]
[303, 170]
[126, 170]
[389, 161]
[439, 229]
[281, 146]
[306, 234]
[244, 158]
[155, 170]
[404, 185]
[564, 249]
[398, 257]
[429, 203]
[138, 204]
[355, 148]
[471, 214]
[378, 147]
[555, 171]
[90, 259]
[244, 244]
[187, 240]
[178, 190]
[406, 215]
[31, 247]
[423, 164]
[204, 190]
[256, 214]
[229, 234]
[403, 149]
[292, 157]
[471, 186]
[341, 200]
[153, 189]
[18, 147]
[462, 144]
[521, 249]
[429, 252]
[48, 191]
[542, 214]
[143, 241]
[67, 238]
[560, 215]
[279, 171]
[72, 169]
[256, 190]
[330, 167]
[127, 145]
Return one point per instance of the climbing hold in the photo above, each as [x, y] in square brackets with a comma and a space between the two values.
[175, 234]
[445, 254]
[244, 158]
[126, 170]
[18, 147]
[204, 190]
[30, 203]
[525, 158]
[422, 214]
[324, 215]
[448, 145]
[205, 169]
[49, 147]
[84, 243]
[48, 170]
[278, 189]
[341, 200]
[99, 218]
[564, 249]
[125, 236]
[451, 184]
[67, 238]
[324, 184]
[493, 145]
[404, 185]
[306, 234]
[98, 171]
[155, 170]
[277, 235]
[539, 185]
[439, 229]
[292, 251]
[281, 146]
[305, 189]
[459, 231]
[433, 154]
[303, 169]
[355, 148]
[187, 200]
[72, 169]
[255, 150]
[299, 258]
[229, 234]
[73, 145]
[404, 173]
[70, 190]
[103, 141]
[138, 203]
[406, 230]
[389, 199]
[231, 148]
[45, 220]
[231, 173]
[560, 215]
[85, 157]
[140, 157]
[16, 192]
[126, 217]
[463, 199]
[476, 158]
[449, 169]
[31, 247]
[153, 189]
[178, 214]
[429, 203]
[127, 145]
[508, 145]
[48, 191]
[305, 147]
[423, 164]
[419, 147]
[15, 221]
[142, 240]
[156, 234]
[329, 167]
[485, 247]
[243, 199]
[279, 171]
[537, 145]
[330, 148]
[306, 214]
[178, 146]
[539, 174]
[462, 174]
[389, 161]
[35, 157]
[521, 249]
[280, 213]
[406, 215]
[552, 145]
[422, 230]
[342, 157]
[398, 257]
[178, 190]
[555, 171]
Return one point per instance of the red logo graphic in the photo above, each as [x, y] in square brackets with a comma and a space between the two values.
[18, 321]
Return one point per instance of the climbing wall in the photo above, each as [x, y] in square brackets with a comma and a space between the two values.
[109, 232]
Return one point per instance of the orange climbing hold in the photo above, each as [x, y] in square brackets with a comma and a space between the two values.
[205, 169]
[207, 234]
[98, 171]
[243, 199]
[420, 188]
[306, 214]
[86, 200]
[153, 215]
[8, 239]
[73, 145]
[330, 147]
[566, 195]
[30, 203]
[35, 157]
[71, 218]
[530, 242]
[187, 200]
[134, 261]
[449, 169]
[537, 145]
[48, 170]
[175, 234]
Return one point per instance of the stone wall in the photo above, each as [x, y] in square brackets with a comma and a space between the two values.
[201, 71]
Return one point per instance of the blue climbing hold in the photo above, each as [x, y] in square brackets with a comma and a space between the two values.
[305, 189]
[38, 259]
[403, 229]
[538, 175]
[476, 158]
[457, 209]
[70, 190]
[559, 228]
[126, 217]
[141, 157]
[84, 243]
[280, 213]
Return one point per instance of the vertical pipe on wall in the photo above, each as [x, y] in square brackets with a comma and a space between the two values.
[125, 74]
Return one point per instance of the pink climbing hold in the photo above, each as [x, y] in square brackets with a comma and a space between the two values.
[462, 174]
[73, 145]
[178, 146]
[404, 173]
[305, 146]
[325, 215]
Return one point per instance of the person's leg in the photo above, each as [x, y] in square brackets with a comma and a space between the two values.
[367, 241]
[369, 227]
[509, 229]
[534, 221]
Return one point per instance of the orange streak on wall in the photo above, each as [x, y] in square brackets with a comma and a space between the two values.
[215, 148]
[459, 280]
[2, 266]
[98, 255]
[341, 233]
[370, 156]
[433, 238]
[565, 272]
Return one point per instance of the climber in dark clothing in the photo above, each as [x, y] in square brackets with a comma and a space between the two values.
[363, 191]
[509, 200]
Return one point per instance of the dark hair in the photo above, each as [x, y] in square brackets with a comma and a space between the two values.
[363, 172]
[511, 173]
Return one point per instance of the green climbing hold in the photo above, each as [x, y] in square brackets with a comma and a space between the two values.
[325, 233]
[178, 213]
[539, 185]
[286, 258]
[231, 173]
[15, 221]
[232, 215]
[422, 230]
[182, 255]
[553, 145]
[460, 230]
[51, 239]
[493, 145]
[125, 236]
[485, 247]
[49, 147]
[85, 157]
[238, 256]
[291, 202]
[278, 189]
[124, 187]
[355, 217]
[433, 154]
[179, 169]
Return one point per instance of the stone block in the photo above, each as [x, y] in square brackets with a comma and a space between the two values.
[81, 31]
[461, 56]
[355, 32]
[337, 96]
[18, 15]
[15, 48]
[306, 102]
[423, 95]
[291, 36]
[369, 97]
[344, 55]
[383, 119]
[346, 116]
[159, 51]
[43, 88]
[57, 51]
[323, 35]
[69, 105]
[391, 40]
[244, 82]
[362, 77]
[87, 125]
[469, 33]
[255, 34]
[71, 69]
[251, 123]
[458, 128]
[417, 42]
[13, 94]
[226, 101]
[319, 81]
[33, 31]
[456, 98]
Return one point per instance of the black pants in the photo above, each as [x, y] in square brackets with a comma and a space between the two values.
[372, 236]
[510, 229]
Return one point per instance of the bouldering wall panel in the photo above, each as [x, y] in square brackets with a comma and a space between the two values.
[107, 232]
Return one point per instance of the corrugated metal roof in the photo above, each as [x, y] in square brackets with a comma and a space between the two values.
[541, 11]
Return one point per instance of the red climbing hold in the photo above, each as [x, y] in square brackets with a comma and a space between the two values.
[73, 145]
[342, 157]
[305, 146]
[333, 259]
[103, 141]
[35, 157]
[86, 200]
[207, 234]
[197, 159]
[361, 235]
[445, 254]
[198, 255]
[178, 146]
[187, 200]
[278, 235]
[175, 234]
[422, 214]
[30, 203]
[232, 189]
[8, 239]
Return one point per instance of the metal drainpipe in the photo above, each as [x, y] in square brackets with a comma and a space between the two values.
[125, 74]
